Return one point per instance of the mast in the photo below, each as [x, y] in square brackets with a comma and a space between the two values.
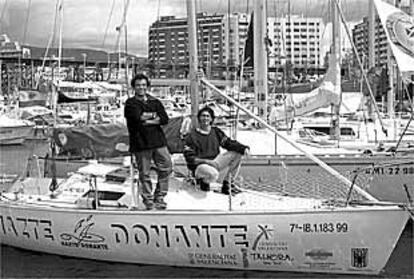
[124, 25]
[55, 91]
[55, 95]
[390, 92]
[193, 59]
[260, 57]
[119, 55]
[126, 58]
[336, 55]
[371, 34]
[1, 79]
[371, 47]
[60, 36]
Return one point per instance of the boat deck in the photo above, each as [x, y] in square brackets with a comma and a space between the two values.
[78, 192]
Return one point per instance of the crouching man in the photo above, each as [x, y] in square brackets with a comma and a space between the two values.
[202, 153]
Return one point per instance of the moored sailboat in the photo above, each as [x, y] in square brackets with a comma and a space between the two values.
[94, 215]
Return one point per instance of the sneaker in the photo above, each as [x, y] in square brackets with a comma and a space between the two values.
[160, 204]
[225, 188]
[149, 205]
[203, 186]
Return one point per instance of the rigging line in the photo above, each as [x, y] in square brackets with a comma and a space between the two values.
[107, 24]
[324, 11]
[336, 3]
[119, 28]
[49, 44]
[241, 63]
[3, 12]
[26, 22]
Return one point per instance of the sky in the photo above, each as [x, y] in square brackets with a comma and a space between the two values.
[85, 22]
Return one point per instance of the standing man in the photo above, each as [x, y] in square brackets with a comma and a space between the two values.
[203, 157]
[145, 115]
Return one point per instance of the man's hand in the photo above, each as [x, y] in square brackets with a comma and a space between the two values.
[154, 121]
[148, 116]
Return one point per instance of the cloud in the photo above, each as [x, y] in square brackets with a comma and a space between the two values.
[85, 22]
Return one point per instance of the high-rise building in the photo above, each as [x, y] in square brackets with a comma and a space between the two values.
[360, 40]
[296, 39]
[220, 39]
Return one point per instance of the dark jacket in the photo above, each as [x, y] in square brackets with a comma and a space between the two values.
[202, 146]
[144, 137]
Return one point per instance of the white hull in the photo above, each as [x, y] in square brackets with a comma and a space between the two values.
[263, 231]
[15, 135]
[353, 240]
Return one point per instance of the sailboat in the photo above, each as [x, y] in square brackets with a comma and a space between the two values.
[13, 130]
[95, 214]
[385, 175]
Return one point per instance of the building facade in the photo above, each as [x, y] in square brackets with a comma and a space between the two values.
[220, 40]
[360, 40]
[296, 39]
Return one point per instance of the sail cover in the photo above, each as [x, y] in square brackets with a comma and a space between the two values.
[108, 140]
[399, 28]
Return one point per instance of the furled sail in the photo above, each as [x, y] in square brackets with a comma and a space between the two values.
[399, 29]
[327, 94]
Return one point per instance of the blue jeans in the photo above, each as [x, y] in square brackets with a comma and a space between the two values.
[162, 159]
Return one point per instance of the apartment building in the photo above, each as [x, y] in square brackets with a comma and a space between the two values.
[360, 40]
[296, 39]
[220, 40]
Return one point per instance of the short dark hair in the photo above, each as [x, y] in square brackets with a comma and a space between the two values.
[138, 77]
[207, 109]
